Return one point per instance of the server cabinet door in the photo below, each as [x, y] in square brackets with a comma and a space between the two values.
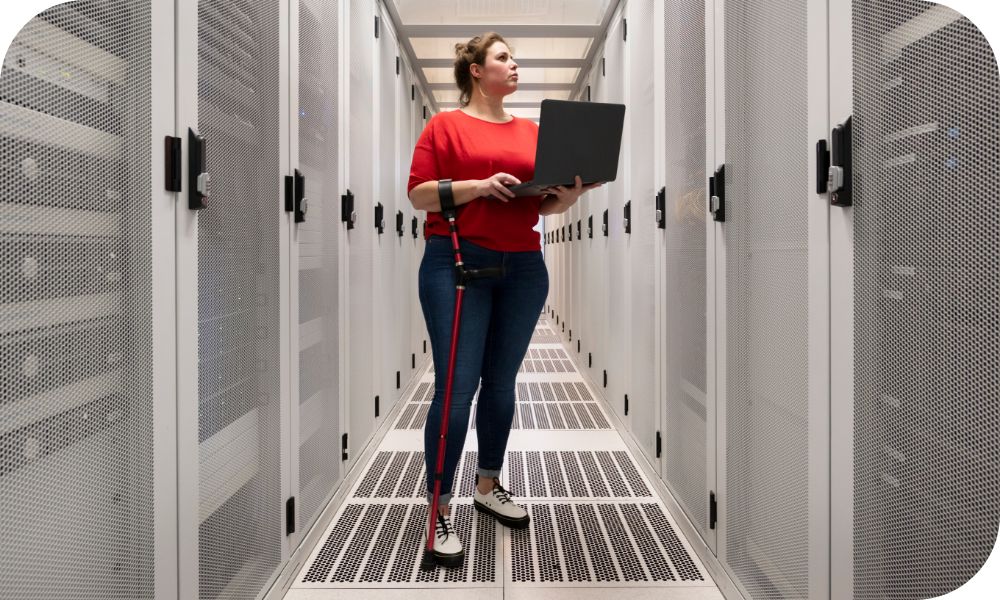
[639, 244]
[922, 367]
[386, 319]
[419, 330]
[232, 280]
[403, 278]
[598, 275]
[87, 423]
[686, 433]
[361, 239]
[619, 275]
[316, 330]
[776, 324]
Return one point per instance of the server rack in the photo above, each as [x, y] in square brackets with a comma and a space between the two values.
[644, 405]
[361, 239]
[919, 408]
[617, 317]
[85, 365]
[772, 344]
[316, 377]
[687, 428]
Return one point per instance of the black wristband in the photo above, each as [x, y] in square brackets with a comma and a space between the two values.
[447, 198]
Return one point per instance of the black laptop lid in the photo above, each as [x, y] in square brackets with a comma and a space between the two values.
[578, 138]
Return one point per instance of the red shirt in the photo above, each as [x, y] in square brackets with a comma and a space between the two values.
[457, 146]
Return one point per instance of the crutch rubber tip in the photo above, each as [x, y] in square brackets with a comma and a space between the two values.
[427, 563]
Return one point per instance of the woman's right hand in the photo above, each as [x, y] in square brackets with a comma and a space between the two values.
[496, 186]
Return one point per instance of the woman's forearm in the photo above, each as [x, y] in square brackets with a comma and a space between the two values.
[425, 196]
[551, 205]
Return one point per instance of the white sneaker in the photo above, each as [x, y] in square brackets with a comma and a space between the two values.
[448, 551]
[498, 503]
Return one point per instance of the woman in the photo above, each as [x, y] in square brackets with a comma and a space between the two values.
[483, 150]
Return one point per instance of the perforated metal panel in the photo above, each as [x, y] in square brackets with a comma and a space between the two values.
[577, 544]
[387, 288]
[76, 397]
[238, 304]
[644, 406]
[380, 543]
[767, 190]
[360, 240]
[684, 310]
[926, 273]
[319, 334]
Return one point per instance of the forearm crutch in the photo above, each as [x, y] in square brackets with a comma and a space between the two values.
[462, 276]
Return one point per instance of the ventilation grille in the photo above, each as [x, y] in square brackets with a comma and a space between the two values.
[539, 405]
[766, 286]
[404, 475]
[76, 393]
[570, 474]
[545, 334]
[580, 544]
[566, 545]
[383, 543]
[319, 429]
[927, 279]
[240, 537]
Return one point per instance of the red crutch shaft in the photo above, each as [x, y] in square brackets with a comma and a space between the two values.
[443, 434]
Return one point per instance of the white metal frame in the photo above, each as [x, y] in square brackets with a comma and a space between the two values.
[715, 150]
[713, 124]
[291, 366]
[163, 290]
[659, 240]
[841, 106]
[818, 68]
[186, 223]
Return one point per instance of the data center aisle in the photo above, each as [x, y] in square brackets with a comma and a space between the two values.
[596, 524]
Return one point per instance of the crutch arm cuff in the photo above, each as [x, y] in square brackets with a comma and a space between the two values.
[447, 197]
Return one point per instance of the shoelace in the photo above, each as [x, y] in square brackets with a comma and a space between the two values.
[500, 493]
[444, 525]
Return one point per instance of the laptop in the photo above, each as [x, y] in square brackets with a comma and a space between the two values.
[575, 138]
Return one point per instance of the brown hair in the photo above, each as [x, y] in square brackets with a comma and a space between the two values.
[473, 51]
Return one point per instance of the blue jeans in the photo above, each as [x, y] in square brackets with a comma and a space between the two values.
[497, 322]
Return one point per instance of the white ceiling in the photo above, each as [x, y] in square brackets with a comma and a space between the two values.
[550, 40]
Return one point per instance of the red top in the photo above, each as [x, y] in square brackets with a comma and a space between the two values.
[458, 146]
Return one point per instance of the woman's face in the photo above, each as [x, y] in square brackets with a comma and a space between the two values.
[499, 75]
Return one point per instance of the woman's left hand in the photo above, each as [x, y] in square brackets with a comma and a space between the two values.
[567, 196]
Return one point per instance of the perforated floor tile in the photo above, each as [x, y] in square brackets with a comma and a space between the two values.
[580, 544]
[596, 525]
[380, 544]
